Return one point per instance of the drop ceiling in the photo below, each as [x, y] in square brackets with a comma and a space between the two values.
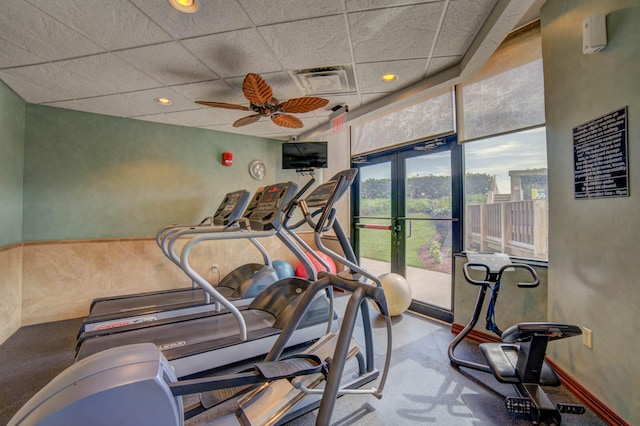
[115, 57]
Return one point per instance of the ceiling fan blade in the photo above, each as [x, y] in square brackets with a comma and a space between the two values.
[305, 104]
[256, 90]
[246, 120]
[224, 105]
[286, 120]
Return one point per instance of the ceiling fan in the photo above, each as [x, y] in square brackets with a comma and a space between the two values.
[262, 102]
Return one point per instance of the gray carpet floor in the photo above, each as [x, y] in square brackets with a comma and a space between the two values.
[423, 387]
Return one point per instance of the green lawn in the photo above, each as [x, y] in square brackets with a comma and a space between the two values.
[376, 244]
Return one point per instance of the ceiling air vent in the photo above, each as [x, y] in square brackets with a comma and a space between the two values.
[326, 80]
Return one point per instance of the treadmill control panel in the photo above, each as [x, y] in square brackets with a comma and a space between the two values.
[231, 207]
[320, 195]
[266, 206]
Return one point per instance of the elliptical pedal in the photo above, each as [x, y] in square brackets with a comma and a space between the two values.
[571, 408]
[518, 405]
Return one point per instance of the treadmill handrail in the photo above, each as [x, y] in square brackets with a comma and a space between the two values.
[205, 285]
[166, 246]
[171, 253]
[196, 231]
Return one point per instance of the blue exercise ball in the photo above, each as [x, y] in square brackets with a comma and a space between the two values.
[283, 269]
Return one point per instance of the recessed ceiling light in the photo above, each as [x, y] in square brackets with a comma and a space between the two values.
[185, 6]
[389, 78]
[163, 101]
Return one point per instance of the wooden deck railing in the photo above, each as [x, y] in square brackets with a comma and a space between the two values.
[517, 228]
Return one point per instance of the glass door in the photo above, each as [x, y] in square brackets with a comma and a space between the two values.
[407, 220]
[376, 211]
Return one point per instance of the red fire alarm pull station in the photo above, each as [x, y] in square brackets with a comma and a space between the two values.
[227, 158]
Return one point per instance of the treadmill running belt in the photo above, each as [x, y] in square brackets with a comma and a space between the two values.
[147, 302]
[181, 334]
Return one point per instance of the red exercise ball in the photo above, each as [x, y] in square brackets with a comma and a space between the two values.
[301, 271]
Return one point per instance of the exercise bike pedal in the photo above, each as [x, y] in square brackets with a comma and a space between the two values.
[518, 405]
[571, 408]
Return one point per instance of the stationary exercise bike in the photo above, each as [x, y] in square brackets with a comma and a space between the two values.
[519, 358]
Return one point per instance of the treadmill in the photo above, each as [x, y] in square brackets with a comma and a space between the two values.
[204, 341]
[240, 285]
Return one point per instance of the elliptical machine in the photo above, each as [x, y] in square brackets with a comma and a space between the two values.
[520, 358]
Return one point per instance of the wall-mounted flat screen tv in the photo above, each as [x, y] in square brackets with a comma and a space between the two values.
[304, 155]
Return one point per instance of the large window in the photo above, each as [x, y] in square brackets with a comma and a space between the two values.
[505, 153]
[499, 114]
[506, 194]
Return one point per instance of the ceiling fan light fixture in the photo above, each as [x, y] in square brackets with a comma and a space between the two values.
[184, 6]
[389, 78]
[163, 101]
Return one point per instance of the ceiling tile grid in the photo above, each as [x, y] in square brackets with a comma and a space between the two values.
[111, 24]
[169, 63]
[116, 57]
[234, 53]
[214, 16]
[33, 31]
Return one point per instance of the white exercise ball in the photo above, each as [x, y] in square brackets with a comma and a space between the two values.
[397, 292]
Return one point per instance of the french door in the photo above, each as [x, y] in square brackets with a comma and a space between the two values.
[407, 219]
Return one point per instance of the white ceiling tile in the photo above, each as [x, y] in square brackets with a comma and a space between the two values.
[396, 33]
[209, 18]
[111, 72]
[169, 63]
[32, 30]
[14, 56]
[408, 72]
[147, 99]
[28, 90]
[460, 26]
[213, 90]
[353, 5]
[54, 78]
[121, 105]
[311, 43]
[234, 53]
[264, 13]
[110, 24]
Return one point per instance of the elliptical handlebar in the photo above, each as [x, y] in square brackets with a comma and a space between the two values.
[371, 292]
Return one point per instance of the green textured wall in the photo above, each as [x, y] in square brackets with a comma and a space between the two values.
[593, 243]
[90, 176]
[12, 127]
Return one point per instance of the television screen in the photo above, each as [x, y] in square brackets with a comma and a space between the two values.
[304, 155]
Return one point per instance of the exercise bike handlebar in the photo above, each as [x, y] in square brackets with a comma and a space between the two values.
[492, 277]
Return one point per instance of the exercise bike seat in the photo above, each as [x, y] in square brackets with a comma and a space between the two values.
[502, 359]
[519, 358]
[524, 331]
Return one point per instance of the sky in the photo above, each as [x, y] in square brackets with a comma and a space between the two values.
[494, 156]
